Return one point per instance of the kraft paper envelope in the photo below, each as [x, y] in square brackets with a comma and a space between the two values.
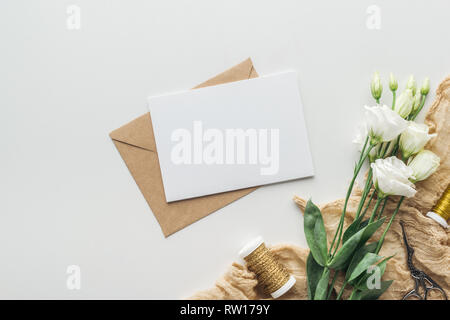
[136, 144]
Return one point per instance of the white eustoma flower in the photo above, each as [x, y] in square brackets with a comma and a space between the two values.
[414, 138]
[383, 124]
[404, 103]
[391, 177]
[424, 164]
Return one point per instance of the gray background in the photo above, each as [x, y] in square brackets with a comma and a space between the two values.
[66, 196]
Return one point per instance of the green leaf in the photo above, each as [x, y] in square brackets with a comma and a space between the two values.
[322, 286]
[372, 294]
[370, 229]
[356, 241]
[382, 265]
[315, 233]
[357, 257]
[368, 260]
[364, 223]
[353, 228]
[346, 251]
[313, 273]
[321, 237]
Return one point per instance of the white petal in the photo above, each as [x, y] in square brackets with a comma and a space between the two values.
[391, 177]
[383, 123]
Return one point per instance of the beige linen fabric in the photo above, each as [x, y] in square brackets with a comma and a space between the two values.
[429, 239]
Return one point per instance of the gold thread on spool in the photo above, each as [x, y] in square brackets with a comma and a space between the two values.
[270, 273]
[442, 207]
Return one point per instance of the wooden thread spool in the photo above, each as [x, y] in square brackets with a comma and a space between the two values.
[271, 275]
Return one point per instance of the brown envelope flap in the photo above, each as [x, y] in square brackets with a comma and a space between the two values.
[139, 132]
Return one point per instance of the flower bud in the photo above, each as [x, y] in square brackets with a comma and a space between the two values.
[404, 103]
[425, 86]
[424, 164]
[411, 84]
[393, 84]
[417, 101]
[414, 138]
[373, 153]
[376, 86]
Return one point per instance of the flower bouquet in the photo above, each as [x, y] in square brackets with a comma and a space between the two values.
[393, 145]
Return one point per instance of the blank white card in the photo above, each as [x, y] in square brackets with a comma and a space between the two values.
[231, 136]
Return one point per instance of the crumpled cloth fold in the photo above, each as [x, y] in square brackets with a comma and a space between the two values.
[429, 240]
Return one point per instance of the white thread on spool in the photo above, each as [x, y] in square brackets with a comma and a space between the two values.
[250, 247]
[438, 219]
[285, 288]
[289, 281]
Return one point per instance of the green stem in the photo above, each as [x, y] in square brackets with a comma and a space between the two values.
[352, 294]
[368, 205]
[422, 103]
[365, 193]
[382, 208]
[332, 284]
[380, 243]
[387, 148]
[349, 191]
[395, 149]
[375, 209]
[341, 291]
[364, 147]
[394, 96]
[368, 184]
[383, 149]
